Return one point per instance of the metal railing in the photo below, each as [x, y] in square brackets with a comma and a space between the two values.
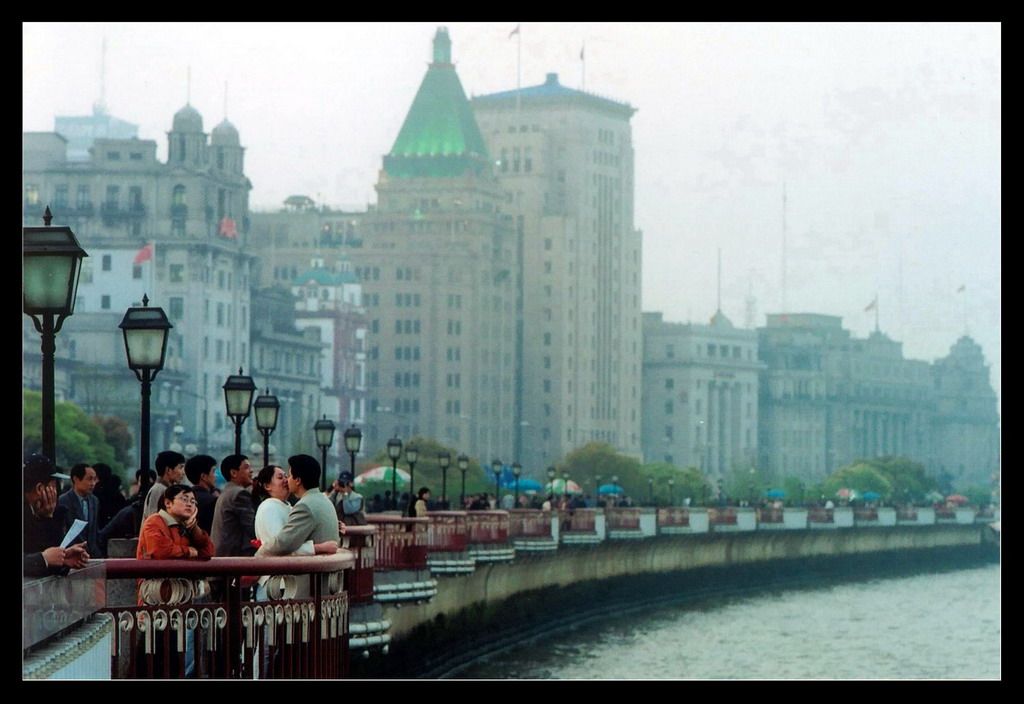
[447, 531]
[578, 520]
[865, 513]
[769, 515]
[673, 516]
[233, 637]
[362, 541]
[487, 526]
[622, 518]
[401, 542]
[529, 523]
[819, 514]
[722, 516]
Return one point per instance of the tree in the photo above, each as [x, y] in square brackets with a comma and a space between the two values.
[79, 438]
[119, 437]
[860, 477]
[600, 459]
[689, 483]
[428, 471]
[796, 490]
[908, 478]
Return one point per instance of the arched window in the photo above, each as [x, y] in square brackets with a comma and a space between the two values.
[178, 195]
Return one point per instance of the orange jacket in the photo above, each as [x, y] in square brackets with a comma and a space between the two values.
[159, 540]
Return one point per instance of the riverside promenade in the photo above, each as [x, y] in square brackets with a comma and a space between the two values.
[408, 596]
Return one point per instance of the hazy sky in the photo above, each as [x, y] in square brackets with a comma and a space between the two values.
[886, 136]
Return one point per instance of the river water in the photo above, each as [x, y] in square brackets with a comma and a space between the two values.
[942, 625]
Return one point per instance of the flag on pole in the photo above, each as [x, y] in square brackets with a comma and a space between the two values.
[582, 49]
[872, 305]
[962, 288]
[228, 228]
[143, 254]
[514, 32]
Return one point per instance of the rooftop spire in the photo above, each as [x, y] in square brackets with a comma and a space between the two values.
[442, 46]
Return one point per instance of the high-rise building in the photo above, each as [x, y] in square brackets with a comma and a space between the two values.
[565, 167]
[700, 395]
[438, 268]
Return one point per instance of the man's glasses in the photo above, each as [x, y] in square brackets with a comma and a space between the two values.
[187, 502]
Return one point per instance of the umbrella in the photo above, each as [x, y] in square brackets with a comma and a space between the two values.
[871, 496]
[957, 499]
[525, 484]
[611, 489]
[845, 493]
[775, 494]
[382, 474]
[558, 487]
[934, 496]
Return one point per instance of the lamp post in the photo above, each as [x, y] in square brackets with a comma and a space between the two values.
[517, 469]
[650, 490]
[238, 390]
[671, 492]
[615, 492]
[412, 453]
[145, 345]
[394, 452]
[551, 479]
[597, 485]
[51, 262]
[496, 468]
[266, 408]
[353, 441]
[463, 466]
[324, 429]
[443, 460]
[752, 473]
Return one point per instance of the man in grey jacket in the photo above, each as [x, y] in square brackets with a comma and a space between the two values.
[234, 515]
[312, 518]
[81, 503]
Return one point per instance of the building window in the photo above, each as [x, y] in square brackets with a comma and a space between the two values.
[60, 197]
[136, 272]
[670, 351]
[31, 194]
[82, 197]
[106, 262]
[669, 407]
[105, 302]
[176, 273]
[176, 308]
[670, 384]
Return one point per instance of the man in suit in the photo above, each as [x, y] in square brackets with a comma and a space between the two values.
[44, 522]
[200, 471]
[312, 518]
[234, 515]
[80, 503]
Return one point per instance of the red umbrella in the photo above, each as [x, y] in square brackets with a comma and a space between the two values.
[957, 499]
[844, 493]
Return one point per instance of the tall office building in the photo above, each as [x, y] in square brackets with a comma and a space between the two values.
[437, 264]
[565, 168]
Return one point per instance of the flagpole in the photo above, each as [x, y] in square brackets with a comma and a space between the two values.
[519, 69]
[583, 66]
[876, 312]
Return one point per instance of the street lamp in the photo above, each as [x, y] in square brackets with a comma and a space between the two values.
[650, 490]
[517, 469]
[412, 453]
[443, 460]
[565, 482]
[266, 408]
[238, 390]
[324, 431]
[496, 468]
[671, 492]
[145, 344]
[615, 491]
[463, 466]
[353, 441]
[597, 484]
[394, 452]
[51, 262]
[752, 473]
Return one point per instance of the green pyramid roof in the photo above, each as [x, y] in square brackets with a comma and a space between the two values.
[440, 136]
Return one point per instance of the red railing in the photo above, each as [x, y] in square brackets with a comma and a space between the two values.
[362, 541]
[487, 526]
[447, 531]
[865, 513]
[945, 513]
[622, 518]
[818, 514]
[769, 515]
[401, 542]
[578, 520]
[234, 638]
[673, 516]
[722, 516]
[529, 523]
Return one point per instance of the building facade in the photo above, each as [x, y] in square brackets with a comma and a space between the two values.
[565, 170]
[700, 390]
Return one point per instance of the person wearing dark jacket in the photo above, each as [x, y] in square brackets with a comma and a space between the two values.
[44, 522]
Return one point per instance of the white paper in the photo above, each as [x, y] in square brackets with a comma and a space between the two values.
[77, 527]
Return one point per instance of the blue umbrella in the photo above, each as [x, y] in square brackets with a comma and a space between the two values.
[525, 484]
[611, 489]
[775, 494]
[870, 496]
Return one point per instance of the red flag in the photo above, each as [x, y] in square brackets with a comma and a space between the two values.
[228, 228]
[514, 32]
[143, 254]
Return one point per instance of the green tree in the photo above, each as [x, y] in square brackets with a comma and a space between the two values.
[428, 471]
[796, 490]
[78, 438]
[749, 483]
[119, 437]
[908, 478]
[689, 483]
[860, 477]
[600, 459]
